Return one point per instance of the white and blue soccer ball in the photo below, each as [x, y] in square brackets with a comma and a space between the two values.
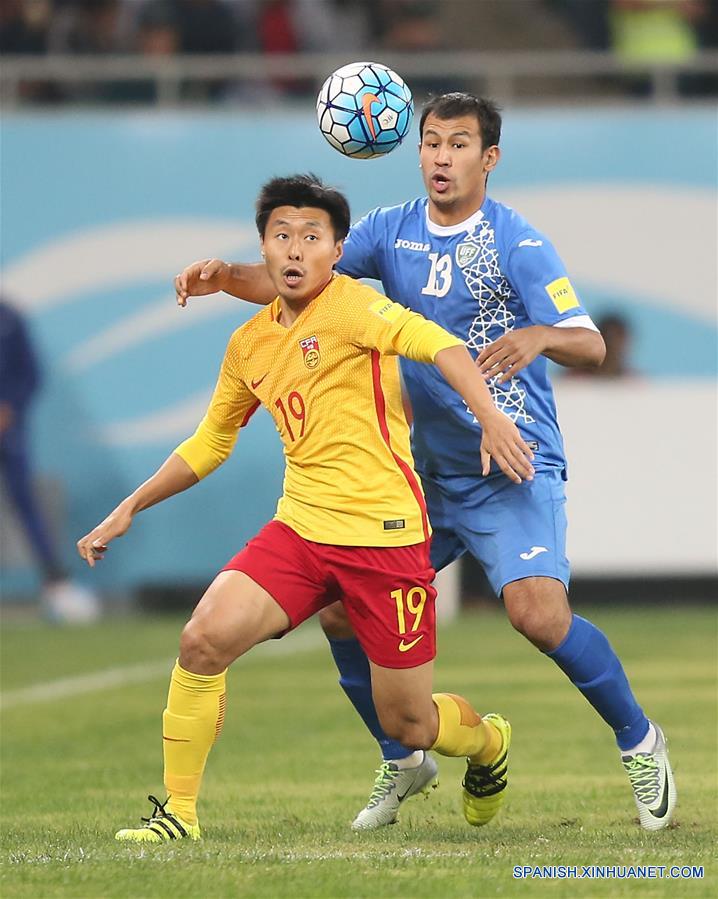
[364, 110]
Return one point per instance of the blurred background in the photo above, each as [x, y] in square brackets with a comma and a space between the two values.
[135, 135]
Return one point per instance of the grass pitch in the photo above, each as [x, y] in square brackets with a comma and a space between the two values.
[294, 765]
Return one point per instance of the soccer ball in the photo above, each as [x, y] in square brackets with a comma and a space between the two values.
[364, 110]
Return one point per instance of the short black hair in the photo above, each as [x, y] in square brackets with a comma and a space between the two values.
[451, 106]
[301, 191]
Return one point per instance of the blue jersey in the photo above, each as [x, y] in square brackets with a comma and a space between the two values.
[478, 279]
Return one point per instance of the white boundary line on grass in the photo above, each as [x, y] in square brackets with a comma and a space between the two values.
[67, 687]
[379, 853]
[320, 855]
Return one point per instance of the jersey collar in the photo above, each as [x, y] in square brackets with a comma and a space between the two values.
[448, 230]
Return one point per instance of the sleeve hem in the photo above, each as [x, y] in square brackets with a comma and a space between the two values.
[576, 321]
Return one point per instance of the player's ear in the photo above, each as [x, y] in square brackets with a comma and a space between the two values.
[491, 158]
[339, 250]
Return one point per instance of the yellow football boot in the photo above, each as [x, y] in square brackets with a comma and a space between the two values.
[485, 785]
[162, 826]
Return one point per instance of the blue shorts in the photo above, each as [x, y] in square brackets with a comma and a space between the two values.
[514, 530]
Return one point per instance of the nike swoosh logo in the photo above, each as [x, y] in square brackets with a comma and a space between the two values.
[175, 740]
[256, 384]
[535, 551]
[366, 102]
[660, 812]
[531, 243]
[405, 647]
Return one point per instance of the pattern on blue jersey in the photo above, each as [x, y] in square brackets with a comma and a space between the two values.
[478, 259]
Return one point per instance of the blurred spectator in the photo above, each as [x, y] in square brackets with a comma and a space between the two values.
[278, 33]
[333, 25]
[707, 83]
[206, 26]
[168, 27]
[589, 19]
[24, 27]
[617, 336]
[298, 26]
[708, 32]
[63, 600]
[659, 31]
[414, 26]
[90, 27]
[411, 25]
[158, 32]
[655, 30]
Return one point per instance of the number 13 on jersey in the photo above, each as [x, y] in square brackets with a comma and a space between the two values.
[439, 281]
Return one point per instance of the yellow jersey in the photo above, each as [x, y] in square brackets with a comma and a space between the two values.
[331, 383]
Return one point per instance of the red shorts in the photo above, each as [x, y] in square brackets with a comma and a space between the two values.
[386, 590]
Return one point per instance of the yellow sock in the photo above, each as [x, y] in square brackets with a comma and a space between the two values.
[462, 732]
[191, 723]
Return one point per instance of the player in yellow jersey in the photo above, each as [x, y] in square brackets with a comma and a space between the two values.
[351, 523]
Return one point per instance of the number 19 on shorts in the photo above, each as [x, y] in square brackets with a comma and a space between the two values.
[409, 611]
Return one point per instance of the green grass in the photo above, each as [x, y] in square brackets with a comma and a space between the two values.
[294, 765]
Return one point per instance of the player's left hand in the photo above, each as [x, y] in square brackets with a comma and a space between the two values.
[512, 352]
[93, 546]
[502, 441]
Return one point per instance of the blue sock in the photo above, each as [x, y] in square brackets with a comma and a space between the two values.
[355, 680]
[589, 661]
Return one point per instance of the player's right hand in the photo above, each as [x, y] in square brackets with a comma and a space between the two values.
[502, 441]
[93, 546]
[200, 279]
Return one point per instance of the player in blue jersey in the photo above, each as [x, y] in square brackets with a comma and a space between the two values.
[479, 269]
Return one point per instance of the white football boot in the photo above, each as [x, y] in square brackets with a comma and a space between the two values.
[392, 786]
[652, 780]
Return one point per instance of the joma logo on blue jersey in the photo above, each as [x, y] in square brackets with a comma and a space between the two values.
[402, 244]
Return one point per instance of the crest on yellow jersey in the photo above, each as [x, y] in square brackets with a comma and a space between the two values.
[310, 351]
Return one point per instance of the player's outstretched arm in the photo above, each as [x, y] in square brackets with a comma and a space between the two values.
[501, 438]
[246, 281]
[516, 349]
[172, 477]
